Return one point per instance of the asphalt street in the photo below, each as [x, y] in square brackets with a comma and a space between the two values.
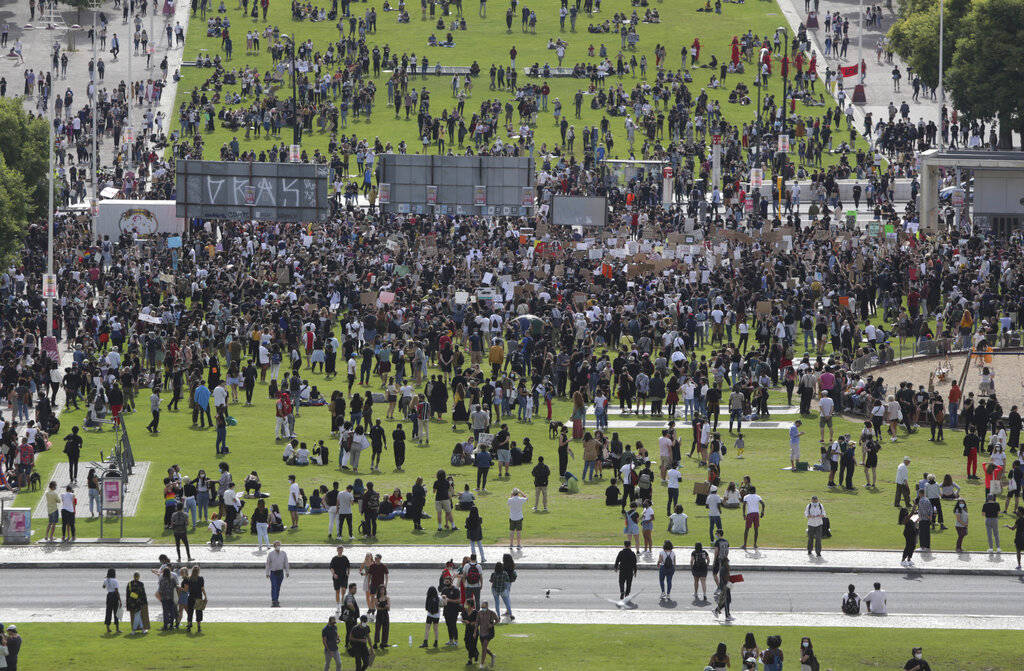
[564, 589]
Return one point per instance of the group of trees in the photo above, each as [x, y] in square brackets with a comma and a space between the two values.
[24, 160]
[983, 55]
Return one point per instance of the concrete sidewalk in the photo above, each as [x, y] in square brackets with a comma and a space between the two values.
[607, 615]
[144, 555]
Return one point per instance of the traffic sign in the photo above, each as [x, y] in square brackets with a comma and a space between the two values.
[666, 172]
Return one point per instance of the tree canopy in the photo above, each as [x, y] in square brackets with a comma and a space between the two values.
[24, 145]
[983, 55]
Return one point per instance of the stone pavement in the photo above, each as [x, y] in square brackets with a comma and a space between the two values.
[38, 43]
[878, 80]
[60, 475]
[607, 615]
[137, 555]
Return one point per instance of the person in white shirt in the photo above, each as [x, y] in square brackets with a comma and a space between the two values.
[677, 522]
[825, 407]
[903, 483]
[515, 517]
[794, 443]
[220, 398]
[277, 570]
[815, 514]
[753, 510]
[876, 600]
[295, 503]
[672, 477]
[67, 514]
[713, 502]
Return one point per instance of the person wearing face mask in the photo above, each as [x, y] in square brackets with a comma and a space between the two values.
[917, 661]
[808, 662]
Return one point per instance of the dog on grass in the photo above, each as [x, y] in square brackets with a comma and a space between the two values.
[554, 427]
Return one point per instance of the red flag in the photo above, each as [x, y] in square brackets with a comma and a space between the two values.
[606, 270]
[849, 71]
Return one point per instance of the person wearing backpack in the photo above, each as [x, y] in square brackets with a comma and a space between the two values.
[666, 569]
[808, 661]
[472, 578]
[851, 602]
[815, 514]
[699, 570]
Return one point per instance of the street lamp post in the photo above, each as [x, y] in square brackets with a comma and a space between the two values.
[942, 90]
[51, 119]
[94, 83]
[296, 130]
[785, 115]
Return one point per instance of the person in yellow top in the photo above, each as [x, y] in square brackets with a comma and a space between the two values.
[496, 356]
[52, 510]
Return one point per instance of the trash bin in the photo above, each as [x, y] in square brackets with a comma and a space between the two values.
[17, 526]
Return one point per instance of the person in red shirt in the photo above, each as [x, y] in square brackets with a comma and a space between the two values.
[26, 460]
[954, 404]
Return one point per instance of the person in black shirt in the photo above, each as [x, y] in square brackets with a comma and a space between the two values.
[73, 448]
[359, 644]
[469, 617]
[339, 571]
[611, 494]
[443, 501]
[414, 504]
[329, 636]
[350, 612]
[398, 446]
[541, 472]
[917, 661]
[625, 564]
[451, 597]
[249, 382]
[378, 441]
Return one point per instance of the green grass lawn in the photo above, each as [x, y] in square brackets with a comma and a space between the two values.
[534, 647]
[862, 518]
[486, 41]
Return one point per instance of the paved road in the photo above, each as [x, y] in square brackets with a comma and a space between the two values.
[569, 590]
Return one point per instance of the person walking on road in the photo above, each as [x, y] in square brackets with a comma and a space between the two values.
[699, 570]
[277, 571]
[113, 589]
[815, 514]
[339, 567]
[501, 585]
[666, 569]
[626, 565]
